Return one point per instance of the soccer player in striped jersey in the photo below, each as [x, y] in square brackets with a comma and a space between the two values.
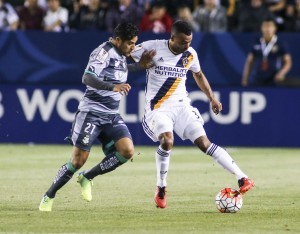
[168, 107]
[98, 113]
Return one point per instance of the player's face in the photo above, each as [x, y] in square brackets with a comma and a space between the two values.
[180, 42]
[268, 29]
[126, 47]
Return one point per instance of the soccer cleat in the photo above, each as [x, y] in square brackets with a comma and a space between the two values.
[46, 203]
[245, 185]
[160, 197]
[86, 187]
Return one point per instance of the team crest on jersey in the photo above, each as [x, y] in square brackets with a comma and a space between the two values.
[119, 64]
[102, 55]
[185, 61]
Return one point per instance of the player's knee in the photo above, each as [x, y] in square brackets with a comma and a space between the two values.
[127, 152]
[79, 157]
[77, 164]
[203, 143]
[166, 140]
[167, 144]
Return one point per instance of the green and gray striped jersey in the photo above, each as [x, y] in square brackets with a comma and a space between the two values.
[108, 65]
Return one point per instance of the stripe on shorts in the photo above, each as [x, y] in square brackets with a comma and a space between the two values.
[147, 129]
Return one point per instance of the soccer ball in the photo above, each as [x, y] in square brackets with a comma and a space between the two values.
[229, 200]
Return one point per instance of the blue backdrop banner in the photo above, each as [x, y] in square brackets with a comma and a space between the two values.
[60, 58]
[260, 117]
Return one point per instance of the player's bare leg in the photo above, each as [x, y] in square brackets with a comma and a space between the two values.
[64, 174]
[225, 160]
[162, 157]
[124, 152]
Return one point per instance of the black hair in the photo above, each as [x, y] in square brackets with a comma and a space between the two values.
[126, 31]
[269, 19]
[181, 26]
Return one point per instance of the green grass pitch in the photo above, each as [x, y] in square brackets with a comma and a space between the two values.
[123, 200]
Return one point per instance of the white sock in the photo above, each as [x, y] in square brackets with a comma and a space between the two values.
[162, 166]
[224, 159]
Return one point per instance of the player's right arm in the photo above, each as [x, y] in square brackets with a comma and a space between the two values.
[247, 69]
[94, 82]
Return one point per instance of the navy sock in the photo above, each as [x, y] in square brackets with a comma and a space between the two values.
[108, 164]
[64, 174]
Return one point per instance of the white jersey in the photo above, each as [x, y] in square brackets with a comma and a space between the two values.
[166, 80]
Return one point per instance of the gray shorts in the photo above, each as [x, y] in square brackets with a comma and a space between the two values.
[107, 128]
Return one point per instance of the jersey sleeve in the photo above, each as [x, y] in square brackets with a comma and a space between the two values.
[195, 65]
[136, 54]
[284, 49]
[99, 59]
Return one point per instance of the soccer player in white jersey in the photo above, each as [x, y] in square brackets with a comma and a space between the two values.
[168, 107]
[98, 113]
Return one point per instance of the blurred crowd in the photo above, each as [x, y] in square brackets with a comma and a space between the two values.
[149, 15]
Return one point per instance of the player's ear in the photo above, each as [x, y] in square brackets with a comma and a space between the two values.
[172, 37]
[118, 40]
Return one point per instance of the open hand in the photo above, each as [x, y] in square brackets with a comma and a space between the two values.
[146, 60]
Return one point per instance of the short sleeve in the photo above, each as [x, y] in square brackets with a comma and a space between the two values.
[136, 54]
[195, 65]
[284, 49]
[99, 59]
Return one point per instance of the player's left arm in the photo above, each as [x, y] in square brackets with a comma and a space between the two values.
[145, 62]
[205, 87]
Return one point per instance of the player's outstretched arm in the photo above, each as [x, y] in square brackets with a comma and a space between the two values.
[205, 87]
[146, 61]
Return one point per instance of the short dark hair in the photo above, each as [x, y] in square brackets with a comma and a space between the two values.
[269, 19]
[126, 31]
[181, 26]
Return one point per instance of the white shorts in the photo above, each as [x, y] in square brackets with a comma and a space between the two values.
[185, 120]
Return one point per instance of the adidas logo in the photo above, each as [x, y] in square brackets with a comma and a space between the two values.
[161, 59]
